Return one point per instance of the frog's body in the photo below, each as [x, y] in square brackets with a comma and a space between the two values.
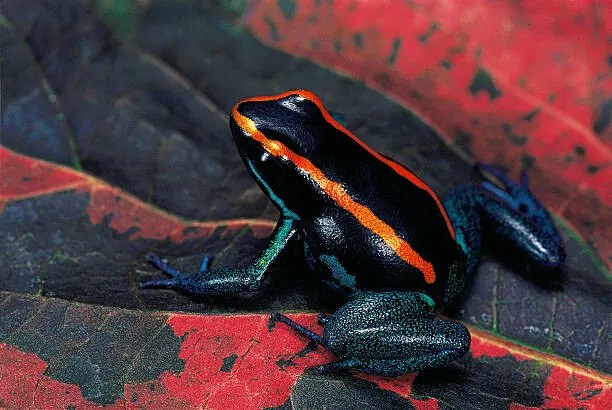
[375, 230]
[358, 211]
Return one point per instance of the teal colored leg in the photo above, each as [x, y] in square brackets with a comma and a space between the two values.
[461, 204]
[388, 333]
[224, 281]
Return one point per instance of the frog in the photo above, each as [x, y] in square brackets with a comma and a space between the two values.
[373, 230]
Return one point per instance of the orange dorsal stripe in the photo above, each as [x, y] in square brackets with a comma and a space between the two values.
[337, 192]
[404, 172]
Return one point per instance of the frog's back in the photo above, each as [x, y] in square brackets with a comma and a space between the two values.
[380, 222]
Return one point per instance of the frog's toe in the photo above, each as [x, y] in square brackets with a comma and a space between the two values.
[500, 177]
[205, 262]
[153, 258]
[499, 173]
[277, 317]
[163, 283]
[162, 265]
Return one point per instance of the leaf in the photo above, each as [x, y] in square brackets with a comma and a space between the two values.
[59, 354]
[72, 236]
[126, 116]
[148, 116]
[99, 236]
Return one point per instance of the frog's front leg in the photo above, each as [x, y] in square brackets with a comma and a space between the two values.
[388, 334]
[224, 281]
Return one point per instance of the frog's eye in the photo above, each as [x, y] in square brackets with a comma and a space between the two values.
[292, 103]
[523, 208]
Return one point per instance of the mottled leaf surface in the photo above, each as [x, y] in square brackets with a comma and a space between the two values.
[58, 354]
[146, 115]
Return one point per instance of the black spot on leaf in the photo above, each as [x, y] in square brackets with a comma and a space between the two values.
[287, 7]
[228, 363]
[603, 118]
[483, 81]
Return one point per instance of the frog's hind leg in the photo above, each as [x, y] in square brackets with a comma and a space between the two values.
[388, 334]
[510, 210]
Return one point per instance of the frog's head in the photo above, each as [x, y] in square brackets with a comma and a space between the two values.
[277, 136]
[522, 214]
[288, 126]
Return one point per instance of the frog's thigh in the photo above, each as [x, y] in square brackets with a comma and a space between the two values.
[392, 333]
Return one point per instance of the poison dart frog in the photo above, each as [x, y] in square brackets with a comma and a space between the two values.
[373, 229]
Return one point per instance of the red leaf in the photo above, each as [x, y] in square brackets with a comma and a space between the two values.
[73, 236]
[264, 366]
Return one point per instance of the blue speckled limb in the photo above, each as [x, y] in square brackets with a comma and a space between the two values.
[224, 281]
[388, 333]
[510, 210]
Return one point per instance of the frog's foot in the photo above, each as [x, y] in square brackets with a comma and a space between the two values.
[176, 276]
[515, 195]
[177, 279]
[538, 236]
[205, 281]
[277, 317]
[224, 280]
[388, 334]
